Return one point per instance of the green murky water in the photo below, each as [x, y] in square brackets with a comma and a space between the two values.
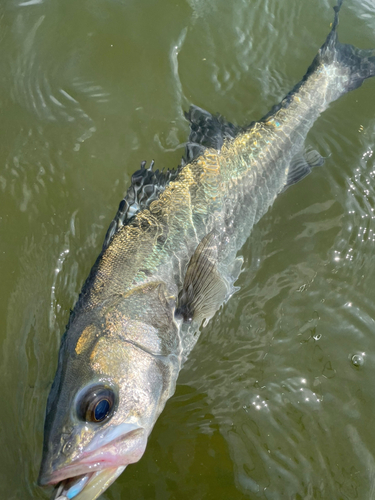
[270, 404]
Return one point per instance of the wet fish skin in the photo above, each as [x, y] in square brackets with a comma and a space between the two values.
[123, 333]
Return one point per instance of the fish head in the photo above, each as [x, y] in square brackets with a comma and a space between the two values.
[117, 366]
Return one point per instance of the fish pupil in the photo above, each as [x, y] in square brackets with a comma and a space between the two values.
[101, 410]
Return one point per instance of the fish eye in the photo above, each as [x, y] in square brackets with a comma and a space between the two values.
[96, 404]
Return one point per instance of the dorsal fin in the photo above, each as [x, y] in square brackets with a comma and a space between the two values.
[146, 185]
[206, 131]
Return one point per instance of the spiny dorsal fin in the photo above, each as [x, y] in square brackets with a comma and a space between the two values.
[206, 131]
[146, 186]
[204, 289]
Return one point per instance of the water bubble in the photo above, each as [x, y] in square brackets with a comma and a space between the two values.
[358, 360]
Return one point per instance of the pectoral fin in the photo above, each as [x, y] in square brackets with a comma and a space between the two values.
[204, 289]
[301, 165]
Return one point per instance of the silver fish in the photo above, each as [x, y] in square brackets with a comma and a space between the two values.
[168, 263]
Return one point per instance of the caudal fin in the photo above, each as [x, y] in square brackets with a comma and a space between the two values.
[357, 64]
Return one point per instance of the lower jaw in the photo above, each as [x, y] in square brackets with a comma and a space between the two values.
[70, 488]
[88, 486]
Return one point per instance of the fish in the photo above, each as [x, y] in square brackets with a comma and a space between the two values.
[168, 263]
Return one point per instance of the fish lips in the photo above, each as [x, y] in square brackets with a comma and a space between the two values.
[118, 447]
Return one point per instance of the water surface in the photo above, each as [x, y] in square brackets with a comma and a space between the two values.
[271, 404]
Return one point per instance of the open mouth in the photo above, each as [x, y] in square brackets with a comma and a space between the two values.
[99, 466]
[70, 488]
[87, 486]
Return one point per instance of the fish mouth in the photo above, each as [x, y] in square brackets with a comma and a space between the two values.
[87, 486]
[97, 468]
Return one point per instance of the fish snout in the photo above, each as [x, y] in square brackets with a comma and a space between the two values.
[116, 448]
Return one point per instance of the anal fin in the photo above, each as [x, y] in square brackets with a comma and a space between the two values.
[301, 165]
[204, 289]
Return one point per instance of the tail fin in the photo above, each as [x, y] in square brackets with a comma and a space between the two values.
[345, 66]
[358, 64]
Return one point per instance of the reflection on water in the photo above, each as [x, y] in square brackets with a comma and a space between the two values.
[277, 399]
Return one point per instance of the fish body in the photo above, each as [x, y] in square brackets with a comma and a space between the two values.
[169, 262]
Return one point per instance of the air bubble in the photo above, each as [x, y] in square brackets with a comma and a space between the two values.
[358, 360]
